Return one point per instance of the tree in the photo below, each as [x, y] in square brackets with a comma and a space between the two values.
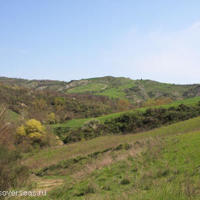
[40, 104]
[157, 101]
[51, 118]
[32, 129]
[123, 104]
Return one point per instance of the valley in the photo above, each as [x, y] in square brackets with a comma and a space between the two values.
[79, 140]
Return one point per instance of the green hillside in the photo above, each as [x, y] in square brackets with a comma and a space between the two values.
[158, 164]
[135, 91]
[84, 140]
[76, 123]
[106, 86]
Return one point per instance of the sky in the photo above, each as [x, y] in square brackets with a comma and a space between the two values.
[75, 39]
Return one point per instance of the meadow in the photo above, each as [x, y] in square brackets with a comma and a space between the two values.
[159, 164]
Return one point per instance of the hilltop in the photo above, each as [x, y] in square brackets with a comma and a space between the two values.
[135, 91]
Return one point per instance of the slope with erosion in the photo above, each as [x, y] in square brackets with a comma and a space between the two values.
[135, 91]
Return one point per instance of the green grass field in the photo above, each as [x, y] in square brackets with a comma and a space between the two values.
[159, 164]
[88, 88]
[111, 87]
[10, 115]
[51, 155]
[168, 170]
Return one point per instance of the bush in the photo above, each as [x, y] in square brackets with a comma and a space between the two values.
[12, 173]
[51, 118]
[151, 118]
[133, 122]
[32, 130]
[91, 125]
[124, 181]
[61, 132]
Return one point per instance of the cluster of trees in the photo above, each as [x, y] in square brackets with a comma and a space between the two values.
[156, 101]
[51, 106]
[131, 122]
[151, 118]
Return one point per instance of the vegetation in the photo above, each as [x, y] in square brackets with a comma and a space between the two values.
[32, 130]
[51, 155]
[77, 123]
[146, 176]
[41, 105]
[12, 173]
[135, 91]
[81, 96]
[125, 139]
[134, 121]
[158, 164]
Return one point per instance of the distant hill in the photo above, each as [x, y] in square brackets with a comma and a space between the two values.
[37, 99]
[135, 91]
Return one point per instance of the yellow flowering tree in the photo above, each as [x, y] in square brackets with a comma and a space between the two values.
[32, 129]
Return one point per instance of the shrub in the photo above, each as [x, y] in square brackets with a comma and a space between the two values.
[51, 118]
[133, 122]
[124, 181]
[86, 189]
[91, 124]
[151, 118]
[12, 172]
[32, 130]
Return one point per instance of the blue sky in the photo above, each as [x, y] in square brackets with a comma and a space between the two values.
[74, 39]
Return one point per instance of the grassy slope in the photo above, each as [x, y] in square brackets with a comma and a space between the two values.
[11, 116]
[168, 168]
[76, 123]
[154, 86]
[53, 155]
[106, 86]
[167, 171]
[132, 90]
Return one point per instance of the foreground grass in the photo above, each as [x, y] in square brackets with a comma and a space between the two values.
[166, 169]
[51, 156]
